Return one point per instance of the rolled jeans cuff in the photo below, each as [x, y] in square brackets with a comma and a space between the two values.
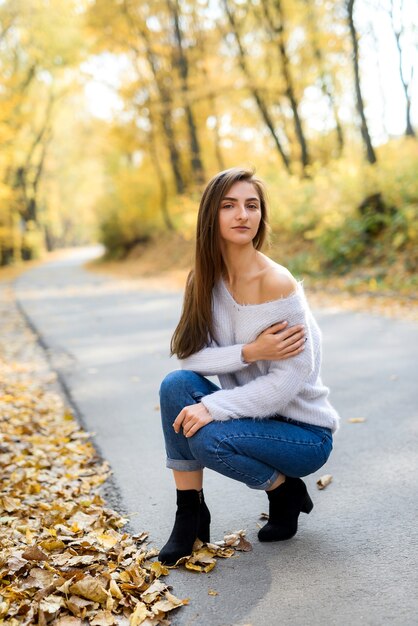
[267, 484]
[184, 465]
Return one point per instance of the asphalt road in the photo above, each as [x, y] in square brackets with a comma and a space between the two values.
[355, 558]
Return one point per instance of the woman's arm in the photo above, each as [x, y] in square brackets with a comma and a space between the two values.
[274, 343]
[215, 360]
[264, 396]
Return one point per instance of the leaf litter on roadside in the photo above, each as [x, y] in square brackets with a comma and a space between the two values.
[64, 557]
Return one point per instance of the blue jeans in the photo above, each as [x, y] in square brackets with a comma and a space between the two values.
[253, 451]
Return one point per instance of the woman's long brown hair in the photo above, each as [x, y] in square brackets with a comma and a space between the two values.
[195, 328]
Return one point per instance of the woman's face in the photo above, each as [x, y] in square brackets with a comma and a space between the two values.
[240, 213]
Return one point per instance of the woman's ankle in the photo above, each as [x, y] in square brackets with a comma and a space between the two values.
[279, 481]
[188, 480]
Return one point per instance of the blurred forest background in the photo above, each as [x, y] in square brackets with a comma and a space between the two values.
[114, 113]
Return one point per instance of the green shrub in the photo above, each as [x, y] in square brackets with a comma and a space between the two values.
[129, 214]
[329, 211]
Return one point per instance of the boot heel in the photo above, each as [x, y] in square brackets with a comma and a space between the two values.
[203, 530]
[204, 535]
[307, 504]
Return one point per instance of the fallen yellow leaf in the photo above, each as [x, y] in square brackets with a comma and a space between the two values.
[323, 481]
[67, 620]
[200, 568]
[89, 588]
[51, 604]
[34, 554]
[139, 615]
[107, 540]
[103, 618]
[153, 591]
[169, 603]
[159, 569]
[114, 590]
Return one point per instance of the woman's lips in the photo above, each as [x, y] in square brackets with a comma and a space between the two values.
[240, 228]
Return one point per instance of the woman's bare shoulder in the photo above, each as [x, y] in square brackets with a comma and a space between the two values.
[277, 282]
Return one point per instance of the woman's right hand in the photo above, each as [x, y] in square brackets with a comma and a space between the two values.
[275, 344]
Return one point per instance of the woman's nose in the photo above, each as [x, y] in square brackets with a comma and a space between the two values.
[242, 212]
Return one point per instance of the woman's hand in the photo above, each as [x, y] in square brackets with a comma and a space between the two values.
[275, 344]
[192, 418]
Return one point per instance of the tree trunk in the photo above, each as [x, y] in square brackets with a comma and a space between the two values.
[154, 157]
[165, 98]
[38, 173]
[409, 129]
[200, 45]
[261, 105]
[279, 31]
[182, 64]
[160, 175]
[28, 175]
[370, 153]
[216, 135]
[167, 123]
[325, 88]
[380, 77]
[49, 242]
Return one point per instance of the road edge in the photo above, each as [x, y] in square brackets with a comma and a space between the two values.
[110, 489]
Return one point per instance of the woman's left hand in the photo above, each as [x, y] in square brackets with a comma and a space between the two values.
[192, 418]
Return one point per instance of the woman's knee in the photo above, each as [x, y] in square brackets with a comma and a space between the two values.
[175, 381]
[204, 444]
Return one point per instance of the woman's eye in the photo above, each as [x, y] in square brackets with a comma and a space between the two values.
[253, 206]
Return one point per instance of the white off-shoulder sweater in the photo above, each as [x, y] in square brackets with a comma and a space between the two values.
[290, 387]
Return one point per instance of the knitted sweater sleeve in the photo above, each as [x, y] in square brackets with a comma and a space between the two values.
[215, 360]
[268, 394]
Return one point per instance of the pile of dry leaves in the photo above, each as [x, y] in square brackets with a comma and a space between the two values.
[64, 558]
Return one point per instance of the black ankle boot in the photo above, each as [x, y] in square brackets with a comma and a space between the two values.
[203, 531]
[285, 504]
[192, 521]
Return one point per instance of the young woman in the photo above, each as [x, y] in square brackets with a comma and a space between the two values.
[246, 320]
